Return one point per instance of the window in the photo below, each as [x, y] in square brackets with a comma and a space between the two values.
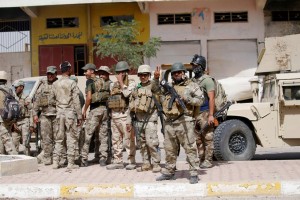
[231, 17]
[106, 20]
[285, 15]
[184, 18]
[291, 92]
[62, 22]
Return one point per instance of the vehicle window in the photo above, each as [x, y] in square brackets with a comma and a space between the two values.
[28, 87]
[291, 92]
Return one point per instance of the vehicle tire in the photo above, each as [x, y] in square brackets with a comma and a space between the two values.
[233, 141]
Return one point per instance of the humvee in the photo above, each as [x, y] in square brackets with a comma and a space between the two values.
[272, 120]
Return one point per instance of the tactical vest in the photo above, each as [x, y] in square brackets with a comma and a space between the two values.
[46, 98]
[24, 109]
[141, 99]
[176, 109]
[117, 99]
[101, 93]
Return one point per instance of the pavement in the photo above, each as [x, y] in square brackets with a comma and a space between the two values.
[240, 178]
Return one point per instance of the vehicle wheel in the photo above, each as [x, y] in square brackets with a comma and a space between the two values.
[233, 140]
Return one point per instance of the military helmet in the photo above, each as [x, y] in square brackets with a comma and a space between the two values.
[3, 75]
[177, 67]
[122, 66]
[199, 60]
[144, 69]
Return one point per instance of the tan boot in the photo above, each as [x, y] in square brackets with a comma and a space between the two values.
[115, 166]
[55, 165]
[71, 166]
[144, 167]
[156, 168]
[206, 164]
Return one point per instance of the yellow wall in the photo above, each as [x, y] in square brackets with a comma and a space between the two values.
[86, 31]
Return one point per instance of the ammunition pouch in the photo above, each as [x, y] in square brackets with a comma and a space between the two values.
[116, 102]
[100, 96]
[141, 101]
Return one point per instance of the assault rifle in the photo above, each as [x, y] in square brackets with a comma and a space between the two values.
[38, 137]
[217, 114]
[174, 95]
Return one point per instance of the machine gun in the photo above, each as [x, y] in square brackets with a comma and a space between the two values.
[174, 95]
[218, 114]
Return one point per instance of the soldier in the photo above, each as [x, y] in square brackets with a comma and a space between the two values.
[97, 93]
[204, 140]
[80, 132]
[6, 143]
[24, 124]
[45, 104]
[142, 106]
[179, 128]
[66, 95]
[118, 103]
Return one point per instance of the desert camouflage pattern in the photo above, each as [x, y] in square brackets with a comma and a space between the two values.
[68, 109]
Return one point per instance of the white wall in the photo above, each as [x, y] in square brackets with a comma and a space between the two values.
[17, 65]
[253, 29]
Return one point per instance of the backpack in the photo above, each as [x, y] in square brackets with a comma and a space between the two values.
[9, 106]
[220, 95]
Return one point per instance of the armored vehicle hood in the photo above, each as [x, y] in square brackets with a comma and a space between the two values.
[252, 111]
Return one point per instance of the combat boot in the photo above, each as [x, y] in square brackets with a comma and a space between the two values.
[194, 179]
[166, 177]
[95, 160]
[206, 164]
[47, 161]
[102, 162]
[156, 168]
[130, 166]
[71, 166]
[144, 167]
[115, 166]
[55, 165]
[83, 163]
[39, 159]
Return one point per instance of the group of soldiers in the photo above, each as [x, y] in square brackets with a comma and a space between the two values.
[119, 112]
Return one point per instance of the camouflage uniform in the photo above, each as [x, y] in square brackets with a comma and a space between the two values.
[23, 123]
[119, 114]
[66, 95]
[180, 123]
[205, 144]
[142, 105]
[45, 104]
[6, 143]
[97, 118]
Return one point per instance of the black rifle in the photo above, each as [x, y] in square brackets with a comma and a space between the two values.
[160, 113]
[174, 95]
[216, 115]
[38, 137]
[27, 141]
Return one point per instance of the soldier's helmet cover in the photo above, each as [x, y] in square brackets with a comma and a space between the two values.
[144, 69]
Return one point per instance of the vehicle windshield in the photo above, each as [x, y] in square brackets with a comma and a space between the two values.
[28, 87]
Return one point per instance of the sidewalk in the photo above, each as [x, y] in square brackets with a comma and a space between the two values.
[263, 177]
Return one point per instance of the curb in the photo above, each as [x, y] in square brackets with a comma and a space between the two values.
[150, 190]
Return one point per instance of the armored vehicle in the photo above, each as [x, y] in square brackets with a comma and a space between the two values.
[272, 120]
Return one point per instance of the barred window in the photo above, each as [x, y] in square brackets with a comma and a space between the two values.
[106, 20]
[285, 15]
[221, 17]
[184, 18]
[62, 22]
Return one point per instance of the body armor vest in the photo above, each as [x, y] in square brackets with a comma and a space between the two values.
[101, 93]
[117, 99]
[141, 99]
[46, 98]
[176, 109]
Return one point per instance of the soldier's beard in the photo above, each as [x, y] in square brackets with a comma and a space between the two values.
[198, 72]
